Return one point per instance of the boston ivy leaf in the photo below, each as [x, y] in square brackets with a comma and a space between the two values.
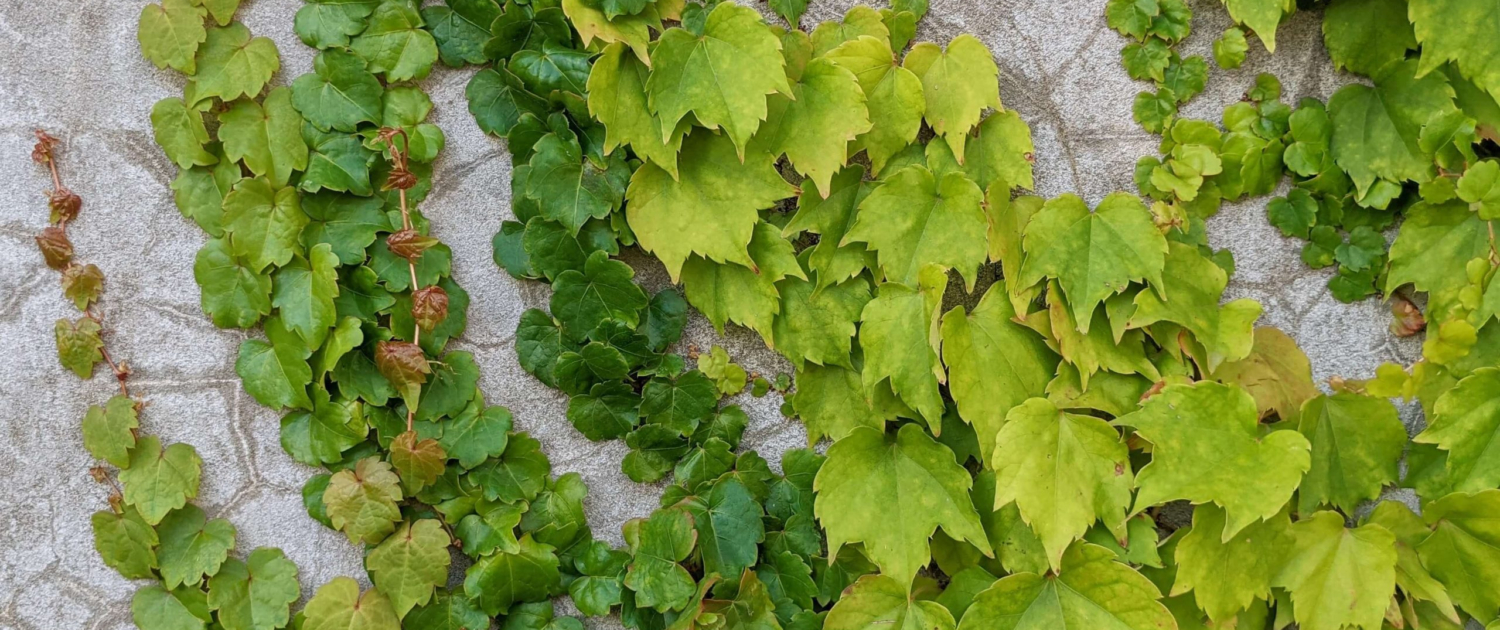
[603, 290]
[338, 605]
[1463, 421]
[607, 411]
[461, 29]
[858, 21]
[78, 345]
[518, 475]
[818, 325]
[1356, 443]
[617, 97]
[339, 93]
[680, 402]
[346, 223]
[476, 433]
[893, 96]
[304, 293]
[266, 136]
[915, 218]
[1256, 554]
[957, 83]
[1412, 578]
[1339, 577]
[1063, 471]
[179, 131]
[524, 26]
[815, 123]
[1001, 152]
[664, 319]
[550, 68]
[325, 25]
[320, 436]
[900, 335]
[362, 501]
[1464, 547]
[1276, 373]
[395, 44]
[876, 601]
[497, 98]
[1261, 16]
[337, 161]
[632, 30]
[496, 582]
[192, 547]
[1191, 298]
[1207, 447]
[1131, 17]
[728, 292]
[1091, 590]
[1146, 60]
[275, 372]
[866, 470]
[170, 33]
[994, 364]
[126, 543]
[659, 543]
[448, 610]
[232, 64]
[1454, 30]
[1230, 48]
[109, 431]
[722, 76]
[1365, 37]
[1093, 254]
[1434, 244]
[1376, 130]
[257, 593]
[1480, 186]
[156, 608]
[830, 217]
[160, 480]
[729, 527]
[199, 192]
[1154, 110]
[831, 402]
[410, 563]
[263, 222]
[571, 189]
[710, 209]
[234, 294]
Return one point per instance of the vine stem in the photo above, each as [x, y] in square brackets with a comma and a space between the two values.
[43, 152]
[398, 159]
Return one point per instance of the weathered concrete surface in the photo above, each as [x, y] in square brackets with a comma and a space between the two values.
[72, 67]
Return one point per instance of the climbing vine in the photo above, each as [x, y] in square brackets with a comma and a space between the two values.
[1017, 392]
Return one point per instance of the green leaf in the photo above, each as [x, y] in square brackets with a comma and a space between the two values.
[1261, 16]
[659, 543]
[994, 364]
[603, 290]
[160, 480]
[156, 608]
[710, 209]
[337, 161]
[830, 217]
[1411, 577]
[180, 133]
[199, 193]
[1146, 60]
[1230, 48]
[325, 25]
[461, 29]
[1091, 590]
[744, 295]
[1185, 78]
[1001, 153]
[304, 293]
[231, 64]
[958, 84]
[679, 403]
[192, 547]
[1191, 298]
[1092, 254]
[831, 401]
[729, 527]
[1356, 443]
[477, 433]
[1456, 30]
[900, 335]
[1339, 577]
[867, 470]
[877, 601]
[570, 189]
[551, 68]
[617, 98]
[1131, 17]
[1228, 576]
[1365, 37]
[1434, 244]
[1463, 551]
[346, 223]
[1464, 419]
[109, 431]
[497, 99]
[814, 124]
[170, 33]
[859, 21]
[517, 476]
[818, 325]
[1478, 186]
[126, 543]
[339, 93]
[1154, 110]
[221, 10]
[78, 345]
[447, 611]
[321, 435]
[275, 372]
[266, 136]
[338, 605]
[1207, 447]
[722, 76]
[495, 582]
[410, 563]
[394, 43]
[1376, 131]
[915, 218]
[893, 96]
[257, 593]
[263, 222]
[362, 501]
[1295, 214]
[1063, 471]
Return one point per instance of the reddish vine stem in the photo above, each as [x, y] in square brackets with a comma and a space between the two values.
[65, 204]
[401, 179]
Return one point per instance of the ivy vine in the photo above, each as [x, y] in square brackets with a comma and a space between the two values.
[1013, 389]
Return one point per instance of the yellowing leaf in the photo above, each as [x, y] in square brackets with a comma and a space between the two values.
[1276, 373]
[231, 64]
[1227, 576]
[915, 218]
[410, 563]
[957, 83]
[617, 97]
[1091, 591]
[1339, 577]
[900, 335]
[1190, 297]
[170, 33]
[362, 501]
[814, 125]
[893, 96]
[1464, 422]
[266, 136]
[1459, 31]
[159, 480]
[339, 605]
